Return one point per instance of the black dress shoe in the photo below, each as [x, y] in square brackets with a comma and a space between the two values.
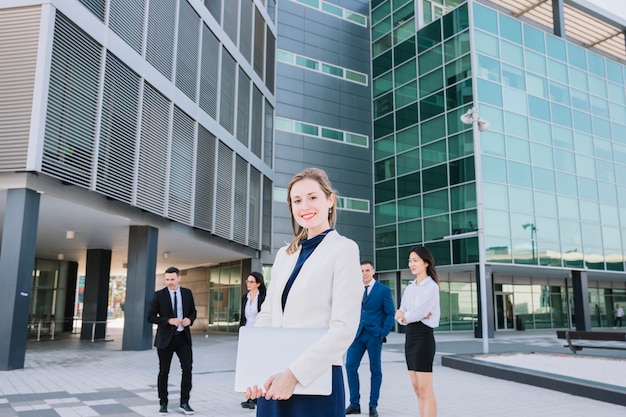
[373, 412]
[186, 409]
[251, 404]
[353, 410]
[163, 410]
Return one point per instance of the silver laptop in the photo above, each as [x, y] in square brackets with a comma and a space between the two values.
[265, 351]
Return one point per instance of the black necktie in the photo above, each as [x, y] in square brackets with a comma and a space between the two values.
[365, 294]
[175, 304]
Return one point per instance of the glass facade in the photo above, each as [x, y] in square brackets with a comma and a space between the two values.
[552, 191]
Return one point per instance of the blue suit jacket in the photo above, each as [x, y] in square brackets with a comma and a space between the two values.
[377, 312]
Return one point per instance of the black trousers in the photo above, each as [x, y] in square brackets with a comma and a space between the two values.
[181, 346]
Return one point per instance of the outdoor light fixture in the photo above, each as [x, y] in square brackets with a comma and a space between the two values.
[166, 255]
[60, 257]
[468, 119]
[69, 234]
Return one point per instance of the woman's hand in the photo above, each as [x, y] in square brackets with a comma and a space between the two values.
[280, 386]
[400, 317]
[252, 393]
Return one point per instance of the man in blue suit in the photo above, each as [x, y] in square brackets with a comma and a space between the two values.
[377, 311]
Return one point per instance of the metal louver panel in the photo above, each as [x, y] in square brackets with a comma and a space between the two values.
[160, 41]
[243, 108]
[224, 191]
[19, 33]
[96, 7]
[152, 172]
[181, 168]
[126, 19]
[254, 209]
[256, 137]
[187, 50]
[240, 208]
[245, 29]
[231, 13]
[72, 104]
[268, 137]
[118, 131]
[227, 91]
[266, 227]
[205, 180]
[209, 72]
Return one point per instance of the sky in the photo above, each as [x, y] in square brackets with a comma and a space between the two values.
[617, 7]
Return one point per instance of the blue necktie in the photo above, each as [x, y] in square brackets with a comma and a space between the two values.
[364, 294]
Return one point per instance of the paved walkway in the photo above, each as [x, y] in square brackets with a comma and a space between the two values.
[70, 378]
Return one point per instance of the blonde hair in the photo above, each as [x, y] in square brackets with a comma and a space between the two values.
[320, 176]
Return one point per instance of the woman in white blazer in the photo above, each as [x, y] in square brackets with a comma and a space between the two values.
[316, 283]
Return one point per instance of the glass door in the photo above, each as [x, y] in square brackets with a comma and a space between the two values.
[504, 311]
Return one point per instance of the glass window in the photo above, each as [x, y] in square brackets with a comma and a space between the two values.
[488, 68]
[432, 106]
[431, 82]
[332, 134]
[385, 213]
[520, 174]
[609, 215]
[405, 72]
[382, 64]
[307, 129]
[458, 70]
[517, 149]
[435, 202]
[515, 100]
[433, 129]
[430, 60]
[383, 105]
[385, 236]
[383, 126]
[381, 28]
[556, 48]
[568, 208]
[561, 115]
[456, 21]
[536, 63]
[563, 137]
[548, 227]
[489, 92]
[384, 169]
[592, 235]
[537, 85]
[544, 179]
[521, 200]
[513, 77]
[383, 84]
[539, 108]
[409, 185]
[456, 46]
[494, 115]
[406, 94]
[385, 191]
[461, 145]
[404, 51]
[578, 79]
[436, 228]
[588, 188]
[494, 169]
[407, 139]
[559, 93]
[602, 149]
[434, 178]
[566, 184]
[605, 171]
[403, 14]
[487, 44]
[590, 211]
[460, 94]
[492, 143]
[557, 71]
[582, 121]
[462, 170]
[408, 161]
[597, 86]
[542, 155]
[495, 196]
[429, 35]
[486, 19]
[512, 54]
[381, 45]
[306, 62]
[614, 72]
[616, 93]
[406, 31]
[617, 113]
[596, 64]
[498, 224]
[410, 208]
[585, 166]
[463, 222]
[580, 99]
[545, 203]
[406, 116]
[332, 70]
[463, 197]
[607, 192]
[533, 38]
[540, 131]
[410, 232]
[577, 56]
[510, 28]
[384, 148]
[565, 161]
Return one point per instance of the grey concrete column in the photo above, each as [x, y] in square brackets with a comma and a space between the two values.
[17, 260]
[140, 283]
[558, 18]
[478, 333]
[96, 295]
[582, 315]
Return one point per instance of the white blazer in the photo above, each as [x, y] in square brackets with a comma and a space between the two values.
[326, 294]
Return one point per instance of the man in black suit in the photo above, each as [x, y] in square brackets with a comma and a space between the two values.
[173, 311]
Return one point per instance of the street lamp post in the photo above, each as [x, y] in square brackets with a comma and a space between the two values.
[533, 230]
[479, 125]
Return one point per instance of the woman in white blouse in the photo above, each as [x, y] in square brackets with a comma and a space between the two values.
[419, 311]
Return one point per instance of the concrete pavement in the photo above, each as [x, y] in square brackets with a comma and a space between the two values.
[69, 378]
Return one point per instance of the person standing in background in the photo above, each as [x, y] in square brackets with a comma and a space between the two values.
[316, 283]
[250, 306]
[619, 315]
[173, 311]
[377, 317]
[420, 312]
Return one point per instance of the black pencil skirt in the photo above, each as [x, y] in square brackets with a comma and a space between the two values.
[419, 347]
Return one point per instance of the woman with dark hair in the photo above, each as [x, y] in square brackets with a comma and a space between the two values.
[250, 307]
[419, 311]
[316, 283]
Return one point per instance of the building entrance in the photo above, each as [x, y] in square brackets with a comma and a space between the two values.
[504, 311]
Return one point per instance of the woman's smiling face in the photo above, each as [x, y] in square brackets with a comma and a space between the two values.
[309, 206]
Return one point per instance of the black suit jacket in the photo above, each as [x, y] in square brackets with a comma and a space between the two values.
[161, 310]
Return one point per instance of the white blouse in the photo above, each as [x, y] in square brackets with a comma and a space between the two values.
[252, 309]
[419, 300]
